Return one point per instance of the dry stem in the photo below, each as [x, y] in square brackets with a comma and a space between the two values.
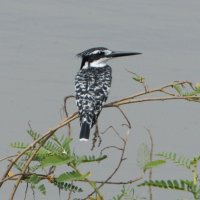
[166, 93]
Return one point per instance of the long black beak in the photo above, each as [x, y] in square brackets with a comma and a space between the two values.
[115, 54]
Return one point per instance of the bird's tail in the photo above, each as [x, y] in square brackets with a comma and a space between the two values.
[85, 131]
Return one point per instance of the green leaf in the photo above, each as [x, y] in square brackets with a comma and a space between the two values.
[179, 160]
[53, 147]
[66, 144]
[18, 145]
[170, 184]
[176, 185]
[42, 189]
[56, 160]
[34, 179]
[143, 156]
[33, 134]
[126, 194]
[71, 176]
[195, 160]
[178, 88]
[139, 79]
[87, 159]
[68, 186]
[153, 164]
[184, 185]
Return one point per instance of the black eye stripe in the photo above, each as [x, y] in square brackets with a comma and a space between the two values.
[91, 58]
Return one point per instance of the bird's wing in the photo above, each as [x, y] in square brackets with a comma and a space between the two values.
[92, 89]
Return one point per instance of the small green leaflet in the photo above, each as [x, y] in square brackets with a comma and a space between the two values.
[71, 176]
[153, 164]
[34, 179]
[56, 160]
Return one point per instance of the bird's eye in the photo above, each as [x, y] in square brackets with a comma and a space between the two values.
[101, 53]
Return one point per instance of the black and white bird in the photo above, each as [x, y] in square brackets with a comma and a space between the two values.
[92, 85]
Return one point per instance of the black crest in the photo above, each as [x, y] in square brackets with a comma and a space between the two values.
[92, 54]
[89, 52]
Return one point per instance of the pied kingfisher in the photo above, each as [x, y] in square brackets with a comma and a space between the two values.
[92, 85]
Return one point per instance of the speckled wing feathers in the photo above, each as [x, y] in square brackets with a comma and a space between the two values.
[92, 87]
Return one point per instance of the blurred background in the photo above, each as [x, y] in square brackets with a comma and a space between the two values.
[39, 41]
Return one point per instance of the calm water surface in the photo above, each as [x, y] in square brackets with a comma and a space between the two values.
[38, 44]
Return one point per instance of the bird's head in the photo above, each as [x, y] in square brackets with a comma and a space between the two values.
[98, 56]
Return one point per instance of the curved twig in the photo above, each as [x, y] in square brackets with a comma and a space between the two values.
[66, 112]
[126, 118]
[137, 98]
[8, 157]
[116, 169]
[44, 138]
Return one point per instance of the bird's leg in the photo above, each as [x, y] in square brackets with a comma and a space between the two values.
[96, 137]
[98, 134]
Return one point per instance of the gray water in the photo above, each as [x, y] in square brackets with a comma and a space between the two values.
[38, 43]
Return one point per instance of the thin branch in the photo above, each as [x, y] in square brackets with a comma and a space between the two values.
[151, 159]
[126, 118]
[137, 98]
[46, 135]
[131, 100]
[8, 157]
[66, 112]
[23, 171]
[140, 79]
[26, 190]
[116, 169]
[42, 140]
[120, 182]
[43, 177]
[114, 130]
[70, 193]
[110, 147]
[65, 104]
